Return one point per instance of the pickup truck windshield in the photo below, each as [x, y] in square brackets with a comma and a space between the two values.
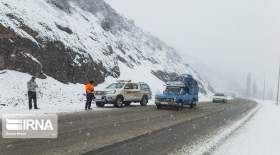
[116, 86]
[175, 90]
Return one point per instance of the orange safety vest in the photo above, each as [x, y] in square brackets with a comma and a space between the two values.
[89, 88]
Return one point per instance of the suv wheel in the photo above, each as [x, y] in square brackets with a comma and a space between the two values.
[119, 102]
[144, 101]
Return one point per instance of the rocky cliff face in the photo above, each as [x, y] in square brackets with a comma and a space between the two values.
[49, 58]
[75, 41]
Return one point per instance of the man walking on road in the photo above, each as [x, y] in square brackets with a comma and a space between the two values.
[90, 94]
[32, 86]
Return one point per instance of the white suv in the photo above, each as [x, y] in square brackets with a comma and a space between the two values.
[220, 98]
[124, 93]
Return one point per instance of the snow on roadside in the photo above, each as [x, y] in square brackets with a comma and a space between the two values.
[56, 97]
[53, 96]
[260, 136]
[209, 143]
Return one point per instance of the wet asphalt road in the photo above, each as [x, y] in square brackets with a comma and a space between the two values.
[131, 130]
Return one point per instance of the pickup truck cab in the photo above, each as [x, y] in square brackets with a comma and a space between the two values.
[182, 91]
[124, 93]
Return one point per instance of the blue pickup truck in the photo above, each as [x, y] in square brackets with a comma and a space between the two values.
[182, 91]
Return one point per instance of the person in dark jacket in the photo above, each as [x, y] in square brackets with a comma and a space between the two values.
[90, 94]
[32, 86]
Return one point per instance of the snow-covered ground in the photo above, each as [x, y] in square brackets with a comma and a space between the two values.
[56, 97]
[257, 133]
[53, 96]
[260, 136]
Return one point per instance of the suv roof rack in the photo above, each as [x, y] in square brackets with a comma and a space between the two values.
[126, 81]
[142, 82]
[175, 84]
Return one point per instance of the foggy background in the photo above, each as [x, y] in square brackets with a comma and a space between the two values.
[223, 40]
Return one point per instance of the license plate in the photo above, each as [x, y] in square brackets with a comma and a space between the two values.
[99, 97]
[165, 103]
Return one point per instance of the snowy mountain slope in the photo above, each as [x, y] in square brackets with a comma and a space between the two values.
[74, 41]
[53, 96]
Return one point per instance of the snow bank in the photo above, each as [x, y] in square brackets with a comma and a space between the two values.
[55, 97]
[209, 143]
[255, 134]
[260, 136]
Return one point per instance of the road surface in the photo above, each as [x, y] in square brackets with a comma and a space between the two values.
[131, 130]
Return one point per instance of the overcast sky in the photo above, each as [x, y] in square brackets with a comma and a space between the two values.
[232, 37]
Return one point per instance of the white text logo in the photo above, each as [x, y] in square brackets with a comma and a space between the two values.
[29, 126]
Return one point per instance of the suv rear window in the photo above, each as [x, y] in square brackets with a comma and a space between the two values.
[131, 86]
[135, 86]
[145, 87]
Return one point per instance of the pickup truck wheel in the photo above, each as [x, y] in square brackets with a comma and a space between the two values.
[144, 101]
[119, 102]
[178, 107]
[100, 104]
[193, 104]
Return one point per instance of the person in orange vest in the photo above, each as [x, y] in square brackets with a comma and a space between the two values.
[90, 94]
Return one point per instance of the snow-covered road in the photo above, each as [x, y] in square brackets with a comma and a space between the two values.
[259, 136]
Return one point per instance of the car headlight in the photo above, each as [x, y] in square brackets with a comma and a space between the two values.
[111, 92]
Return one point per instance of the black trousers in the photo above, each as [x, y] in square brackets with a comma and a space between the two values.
[90, 97]
[32, 96]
